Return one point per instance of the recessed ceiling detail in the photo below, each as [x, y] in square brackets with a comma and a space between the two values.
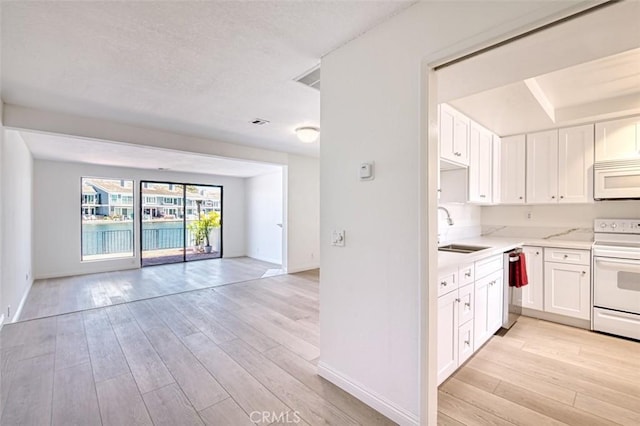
[103, 153]
[598, 90]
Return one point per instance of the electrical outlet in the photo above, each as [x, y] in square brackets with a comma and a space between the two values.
[529, 215]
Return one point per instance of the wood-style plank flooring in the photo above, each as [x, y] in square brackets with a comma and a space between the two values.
[71, 294]
[540, 373]
[211, 356]
[214, 356]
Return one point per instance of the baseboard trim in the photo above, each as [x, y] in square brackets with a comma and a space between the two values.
[372, 399]
[296, 269]
[16, 315]
[560, 319]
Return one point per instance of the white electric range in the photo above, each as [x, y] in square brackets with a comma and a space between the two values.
[616, 277]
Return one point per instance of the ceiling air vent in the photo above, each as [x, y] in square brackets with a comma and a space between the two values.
[259, 121]
[311, 78]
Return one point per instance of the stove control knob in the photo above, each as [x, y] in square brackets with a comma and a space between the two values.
[614, 225]
[603, 225]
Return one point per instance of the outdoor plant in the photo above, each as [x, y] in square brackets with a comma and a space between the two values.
[201, 228]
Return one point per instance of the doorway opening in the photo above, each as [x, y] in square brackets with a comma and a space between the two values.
[179, 222]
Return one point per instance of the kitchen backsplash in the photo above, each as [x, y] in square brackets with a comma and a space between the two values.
[466, 222]
[560, 215]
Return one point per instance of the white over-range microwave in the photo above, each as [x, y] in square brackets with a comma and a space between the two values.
[616, 180]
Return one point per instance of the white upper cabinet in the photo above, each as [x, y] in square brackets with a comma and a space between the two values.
[575, 164]
[480, 165]
[618, 139]
[542, 167]
[560, 166]
[513, 151]
[454, 135]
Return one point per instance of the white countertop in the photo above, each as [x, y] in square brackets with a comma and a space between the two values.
[500, 245]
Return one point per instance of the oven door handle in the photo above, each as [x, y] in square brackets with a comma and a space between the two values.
[630, 265]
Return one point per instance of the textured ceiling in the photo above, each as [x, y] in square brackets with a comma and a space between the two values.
[63, 148]
[198, 68]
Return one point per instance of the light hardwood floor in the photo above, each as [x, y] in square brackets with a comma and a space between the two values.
[211, 356]
[71, 294]
[540, 373]
[214, 356]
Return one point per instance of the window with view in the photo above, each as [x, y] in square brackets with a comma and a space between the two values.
[106, 214]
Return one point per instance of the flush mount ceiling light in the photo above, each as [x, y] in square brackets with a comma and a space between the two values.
[308, 134]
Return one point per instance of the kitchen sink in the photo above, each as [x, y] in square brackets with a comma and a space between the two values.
[461, 248]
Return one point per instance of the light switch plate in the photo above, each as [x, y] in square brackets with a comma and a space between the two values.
[338, 238]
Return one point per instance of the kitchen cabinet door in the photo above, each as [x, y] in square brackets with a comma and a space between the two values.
[618, 139]
[465, 342]
[487, 317]
[542, 167]
[533, 293]
[454, 135]
[513, 151]
[480, 165]
[575, 164]
[447, 335]
[567, 289]
[495, 301]
[465, 304]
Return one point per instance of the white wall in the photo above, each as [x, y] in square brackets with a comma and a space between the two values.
[57, 215]
[263, 216]
[567, 215]
[17, 215]
[302, 213]
[373, 109]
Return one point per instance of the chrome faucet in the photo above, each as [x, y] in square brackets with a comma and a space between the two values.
[449, 220]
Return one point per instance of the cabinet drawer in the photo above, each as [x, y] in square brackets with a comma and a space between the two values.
[465, 342]
[576, 257]
[487, 266]
[447, 281]
[466, 274]
[465, 303]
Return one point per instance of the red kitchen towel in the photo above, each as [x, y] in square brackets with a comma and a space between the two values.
[517, 270]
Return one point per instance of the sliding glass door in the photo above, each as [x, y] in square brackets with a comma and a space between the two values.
[179, 222]
[204, 222]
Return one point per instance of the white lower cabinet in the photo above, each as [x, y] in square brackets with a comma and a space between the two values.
[447, 335]
[567, 289]
[559, 283]
[488, 307]
[465, 342]
[457, 311]
[533, 293]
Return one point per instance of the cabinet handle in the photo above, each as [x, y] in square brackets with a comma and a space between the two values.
[467, 304]
[537, 253]
[492, 282]
[562, 196]
[468, 343]
[467, 274]
[566, 256]
[483, 196]
[457, 154]
[521, 198]
[443, 283]
[458, 300]
[584, 273]
[553, 197]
